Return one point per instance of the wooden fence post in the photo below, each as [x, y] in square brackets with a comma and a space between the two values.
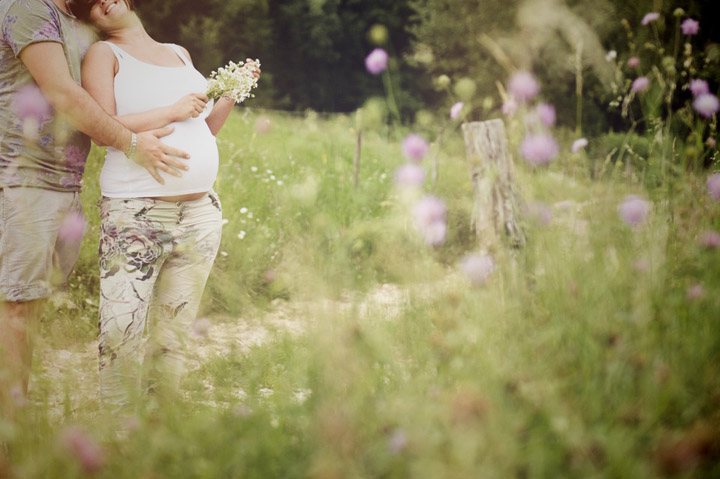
[358, 149]
[496, 202]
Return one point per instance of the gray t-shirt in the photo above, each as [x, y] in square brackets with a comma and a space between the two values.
[38, 148]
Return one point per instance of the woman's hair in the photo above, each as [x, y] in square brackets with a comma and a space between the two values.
[81, 8]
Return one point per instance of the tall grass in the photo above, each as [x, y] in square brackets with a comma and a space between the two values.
[584, 355]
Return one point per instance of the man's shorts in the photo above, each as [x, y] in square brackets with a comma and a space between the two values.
[37, 253]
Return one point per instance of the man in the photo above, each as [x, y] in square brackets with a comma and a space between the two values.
[45, 120]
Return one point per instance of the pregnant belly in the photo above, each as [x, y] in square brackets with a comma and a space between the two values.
[193, 137]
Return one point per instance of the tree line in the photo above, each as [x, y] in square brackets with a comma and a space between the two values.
[313, 51]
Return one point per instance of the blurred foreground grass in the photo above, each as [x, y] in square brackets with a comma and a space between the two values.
[595, 352]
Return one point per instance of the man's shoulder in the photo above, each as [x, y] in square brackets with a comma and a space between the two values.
[26, 7]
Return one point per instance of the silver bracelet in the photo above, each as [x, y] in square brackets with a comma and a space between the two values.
[133, 145]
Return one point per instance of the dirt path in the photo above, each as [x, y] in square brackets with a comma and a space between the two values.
[67, 378]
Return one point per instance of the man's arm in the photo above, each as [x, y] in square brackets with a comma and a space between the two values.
[48, 66]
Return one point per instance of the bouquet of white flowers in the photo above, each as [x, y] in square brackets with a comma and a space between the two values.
[235, 81]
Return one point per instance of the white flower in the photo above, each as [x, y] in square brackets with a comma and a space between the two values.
[250, 215]
[235, 80]
[225, 221]
[241, 235]
[243, 210]
[253, 168]
[279, 182]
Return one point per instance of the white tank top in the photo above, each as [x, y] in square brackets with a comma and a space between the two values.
[141, 87]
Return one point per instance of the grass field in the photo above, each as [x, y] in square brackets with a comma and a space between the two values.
[342, 346]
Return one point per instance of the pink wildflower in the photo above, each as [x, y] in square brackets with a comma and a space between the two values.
[690, 27]
[376, 61]
[634, 210]
[409, 176]
[711, 142]
[650, 17]
[30, 103]
[201, 327]
[72, 228]
[695, 291]
[455, 110]
[398, 441]
[641, 265]
[510, 107]
[633, 62]
[640, 84]
[713, 186]
[710, 239]
[579, 144]
[83, 449]
[262, 125]
[699, 87]
[415, 147]
[477, 268]
[540, 213]
[706, 104]
[430, 217]
[539, 148]
[523, 86]
[546, 114]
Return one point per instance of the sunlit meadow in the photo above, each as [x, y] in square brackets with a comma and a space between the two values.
[357, 330]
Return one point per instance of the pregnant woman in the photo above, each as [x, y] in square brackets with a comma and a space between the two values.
[157, 241]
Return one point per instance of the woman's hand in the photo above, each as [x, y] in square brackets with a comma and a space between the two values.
[189, 106]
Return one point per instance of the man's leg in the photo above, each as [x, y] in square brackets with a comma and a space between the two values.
[17, 319]
[32, 259]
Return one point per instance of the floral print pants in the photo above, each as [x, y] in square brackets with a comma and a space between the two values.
[155, 258]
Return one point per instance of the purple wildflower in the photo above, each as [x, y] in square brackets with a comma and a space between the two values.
[710, 239]
[690, 27]
[633, 62]
[201, 327]
[539, 148]
[523, 86]
[546, 114]
[409, 176]
[72, 228]
[711, 142]
[477, 268]
[699, 87]
[650, 17]
[455, 110]
[540, 213]
[398, 441]
[634, 210]
[510, 107]
[706, 104]
[376, 61]
[640, 84]
[430, 217]
[415, 147]
[713, 186]
[695, 291]
[579, 144]
[641, 265]
[30, 103]
[83, 449]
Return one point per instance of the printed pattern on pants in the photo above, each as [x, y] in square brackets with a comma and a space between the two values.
[155, 258]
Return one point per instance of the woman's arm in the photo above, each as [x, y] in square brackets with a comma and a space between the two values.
[98, 73]
[220, 112]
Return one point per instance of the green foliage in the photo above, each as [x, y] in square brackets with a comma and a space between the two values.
[575, 360]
